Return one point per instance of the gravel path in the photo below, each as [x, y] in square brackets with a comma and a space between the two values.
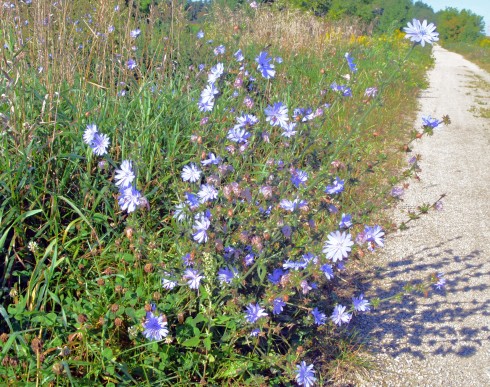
[442, 340]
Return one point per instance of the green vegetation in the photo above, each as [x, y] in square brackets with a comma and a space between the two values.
[477, 52]
[82, 275]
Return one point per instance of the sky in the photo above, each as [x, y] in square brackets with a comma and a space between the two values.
[480, 7]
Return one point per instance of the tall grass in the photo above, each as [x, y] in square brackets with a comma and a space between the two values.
[81, 276]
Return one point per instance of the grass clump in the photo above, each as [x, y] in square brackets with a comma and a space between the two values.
[174, 212]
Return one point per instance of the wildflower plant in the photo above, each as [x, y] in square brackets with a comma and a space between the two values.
[213, 244]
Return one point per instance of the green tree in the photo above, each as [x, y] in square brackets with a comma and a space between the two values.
[395, 14]
[459, 26]
[422, 11]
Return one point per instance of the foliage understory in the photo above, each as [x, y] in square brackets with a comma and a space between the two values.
[80, 276]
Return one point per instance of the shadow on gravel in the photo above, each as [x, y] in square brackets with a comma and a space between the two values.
[436, 324]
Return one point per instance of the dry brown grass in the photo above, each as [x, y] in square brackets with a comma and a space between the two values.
[289, 30]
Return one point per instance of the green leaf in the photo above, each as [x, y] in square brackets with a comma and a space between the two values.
[192, 342]
[107, 353]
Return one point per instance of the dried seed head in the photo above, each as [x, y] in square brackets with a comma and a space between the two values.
[148, 268]
[157, 296]
[100, 282]
[118, 322]
[114, 308]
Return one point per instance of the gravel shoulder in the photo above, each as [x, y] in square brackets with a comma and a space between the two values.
[444, 339]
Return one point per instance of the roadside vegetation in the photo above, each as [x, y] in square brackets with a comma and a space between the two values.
[189, 203]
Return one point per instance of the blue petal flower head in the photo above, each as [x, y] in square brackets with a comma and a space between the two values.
[200, 34]
[125, 175]
[191, 173]
[305, 376]
[180, 212]
[131, 64]
[431, 122]
[208, 94]
[338, 246]
[346, 221]
[201, 225]
[289, 130]
[207, 193]
[246, 121]
[239, 56]
[155, 327]
[194, 278]
[319, 317]
[440, 281]
[129, 199]
[255, 332]
[277, 114]
[294, 265]
[100, 143]
[226, 275]
[371, 92]
[350, 62]
[336, 187]
[421, 32]
[135, 33]
[168, 282]
[375, 236]
[215, 73]
[187, 260]
[265, 66]
[238, 135]
[278, 306]
[276, 275]
[327, 270]
[89, 133]
[299, 178]
[205, 105]
[192, 200]
[360, 304]
[294, 205]
[254, 312]
[340, 316]
[212, 159]
[220, 50]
